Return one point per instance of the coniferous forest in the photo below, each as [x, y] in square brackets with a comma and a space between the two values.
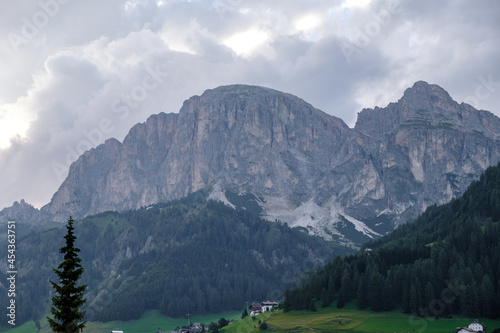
[187, 256]
[197, 256]
[446, 262]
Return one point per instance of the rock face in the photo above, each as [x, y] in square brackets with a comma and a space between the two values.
[306, 168]
[251, 139]
[20, 211]
[427, 147]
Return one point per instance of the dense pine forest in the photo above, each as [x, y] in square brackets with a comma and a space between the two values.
[187, 256]
[446, 262]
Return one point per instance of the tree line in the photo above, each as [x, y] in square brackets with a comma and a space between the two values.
[447, 262]
[185, 256]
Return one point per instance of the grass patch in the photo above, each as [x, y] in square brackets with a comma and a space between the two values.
[103, 220]
[349, 319]
[28, 327]
[329, 319]
[150, 322]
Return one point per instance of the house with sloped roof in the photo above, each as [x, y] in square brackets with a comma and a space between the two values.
[255, 309]
[268, 306]
[474, 327]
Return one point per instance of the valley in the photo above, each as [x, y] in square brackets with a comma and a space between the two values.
[251, 194]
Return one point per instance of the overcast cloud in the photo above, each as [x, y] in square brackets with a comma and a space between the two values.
[75, 73]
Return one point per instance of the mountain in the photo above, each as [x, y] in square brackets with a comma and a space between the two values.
[299, 164]
[186, 256]
[444, 263]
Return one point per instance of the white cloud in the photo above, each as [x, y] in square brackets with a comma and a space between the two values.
[307, 22]
[90, 56]
[247, 42]
[12, 123]
[356, 3]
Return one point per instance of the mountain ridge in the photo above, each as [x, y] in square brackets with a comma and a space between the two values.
[307, 168]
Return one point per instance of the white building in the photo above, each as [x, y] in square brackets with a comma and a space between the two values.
[268, 306]
[255, 310]
[473, 327]
[263, 307]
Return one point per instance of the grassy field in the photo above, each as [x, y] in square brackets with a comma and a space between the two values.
[150, 322]
[349, 319]
[330, 319]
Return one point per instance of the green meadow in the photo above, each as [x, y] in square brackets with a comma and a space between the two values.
[349, 319]
[329, 319]
[150, 322]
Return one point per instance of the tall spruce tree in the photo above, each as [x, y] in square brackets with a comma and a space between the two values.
[69, 297]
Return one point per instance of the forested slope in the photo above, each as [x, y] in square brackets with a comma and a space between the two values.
[446, 262]
[187, 256]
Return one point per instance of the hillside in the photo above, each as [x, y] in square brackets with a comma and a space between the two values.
[306, 167]
[445, 263]
[186, 256]
[351, 320]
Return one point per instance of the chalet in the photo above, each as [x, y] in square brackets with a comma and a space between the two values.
[473, 327]
[195, 328]
[255, 310]
[268, 306]
[263, 307]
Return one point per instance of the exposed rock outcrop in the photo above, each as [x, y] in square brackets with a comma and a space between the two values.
[306, 167]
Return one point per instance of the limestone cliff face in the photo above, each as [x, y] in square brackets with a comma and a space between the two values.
[427, 147]
[78, 194]
[306, 167]
[248, 138]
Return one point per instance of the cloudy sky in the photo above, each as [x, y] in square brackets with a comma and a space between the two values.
[74, 73]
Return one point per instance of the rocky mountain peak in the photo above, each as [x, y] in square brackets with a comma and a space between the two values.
[427, 102]
[303, 166]
[20, 211]
[426, 106]
[233, 102]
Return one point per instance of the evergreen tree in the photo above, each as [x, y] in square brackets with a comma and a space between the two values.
[414, 304]
[345, 292]
[362, 293]
[69, 297]
[244, 314]
[487, 297]
[287, 302]
[386, 296]
[375, 285]
[429, 294]
[325, 299]
[312, 307]
[470, 301]
[341, 301]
